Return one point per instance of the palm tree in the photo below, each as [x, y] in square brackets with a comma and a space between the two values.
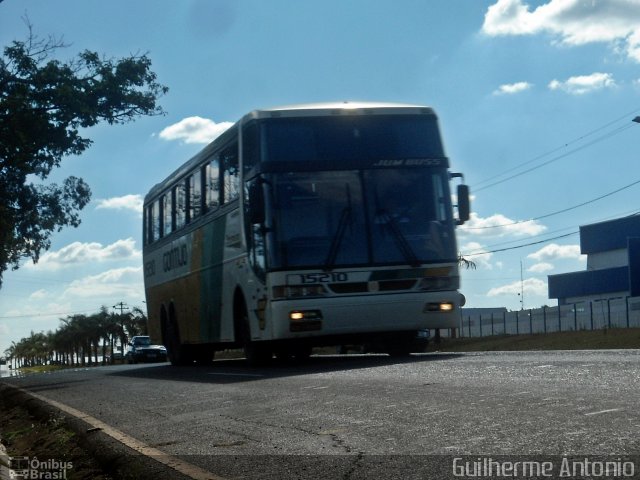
[468, 264]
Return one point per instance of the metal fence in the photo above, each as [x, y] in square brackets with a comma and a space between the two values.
[613, 313]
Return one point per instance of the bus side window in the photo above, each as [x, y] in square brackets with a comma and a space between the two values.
[157, 219]
[231, 173]
[180, 205]
[194, 209]
[167, 211]
[148, 224]
[212, 184]
[251, 147]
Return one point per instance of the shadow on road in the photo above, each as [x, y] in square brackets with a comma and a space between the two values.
[238, 371]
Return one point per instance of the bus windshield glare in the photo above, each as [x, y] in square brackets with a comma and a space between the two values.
[361, 217]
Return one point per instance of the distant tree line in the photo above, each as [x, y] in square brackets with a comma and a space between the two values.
[79, 340]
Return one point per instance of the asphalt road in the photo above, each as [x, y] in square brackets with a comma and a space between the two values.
[351, 416]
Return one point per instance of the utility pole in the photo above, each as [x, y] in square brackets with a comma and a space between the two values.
[521, 288]
[121, 306]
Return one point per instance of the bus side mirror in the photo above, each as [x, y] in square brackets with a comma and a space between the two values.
[256, 203]
[464, 205]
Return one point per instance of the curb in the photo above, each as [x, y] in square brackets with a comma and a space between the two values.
[111, 455]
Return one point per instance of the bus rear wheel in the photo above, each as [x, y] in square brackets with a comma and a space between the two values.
[298, 353]
[178, 354]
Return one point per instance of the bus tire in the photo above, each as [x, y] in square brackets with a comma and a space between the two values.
[256, 353]
[178, 354]
[203, 355]
[302, 353]
[400, 345]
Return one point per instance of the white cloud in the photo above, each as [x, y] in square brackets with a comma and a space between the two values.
[39, 295]
[78, 253]
[573, 22]
[194, 130]
[540, 267]
[124, 282]
[530, 286]
[498, 225]
[126, 202]
[512, 88]
[583, 84]
[553, 251]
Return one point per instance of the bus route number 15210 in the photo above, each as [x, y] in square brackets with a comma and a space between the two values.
[308, 278]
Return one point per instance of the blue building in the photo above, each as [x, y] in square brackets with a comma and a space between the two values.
[613, 264]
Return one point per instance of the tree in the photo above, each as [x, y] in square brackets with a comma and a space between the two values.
[43, 105]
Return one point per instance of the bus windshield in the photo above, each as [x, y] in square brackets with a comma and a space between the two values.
[356, 217]
[357, 137]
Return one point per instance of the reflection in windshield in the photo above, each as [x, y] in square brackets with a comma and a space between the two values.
[311, 217]
[347, 218]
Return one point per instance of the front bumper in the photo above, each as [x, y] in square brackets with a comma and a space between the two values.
[364, 314]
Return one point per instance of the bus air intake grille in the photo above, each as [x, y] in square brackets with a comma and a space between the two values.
[392, 285]
[353, 287]
[364, 287]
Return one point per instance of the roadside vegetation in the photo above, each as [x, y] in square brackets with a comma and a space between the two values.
[89, 340]
[611, 338]
[78, 341]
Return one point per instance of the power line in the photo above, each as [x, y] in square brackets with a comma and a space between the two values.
[628, 213]
[519, 246]
[559, 157]
[45, 314]
[478, 187]
[593, 200]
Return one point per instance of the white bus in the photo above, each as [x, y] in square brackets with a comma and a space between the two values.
[303, 226]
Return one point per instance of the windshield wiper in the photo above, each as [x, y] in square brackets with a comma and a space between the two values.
[345, 217]
[401, 240]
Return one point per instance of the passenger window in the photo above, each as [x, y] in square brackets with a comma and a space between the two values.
[195, 195]
[155, 219]
[181, 205]
[212, 184]
[231, 173]
[167, 211]
[148, 225]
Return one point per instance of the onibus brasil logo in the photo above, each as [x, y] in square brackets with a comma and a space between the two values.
[33, 468]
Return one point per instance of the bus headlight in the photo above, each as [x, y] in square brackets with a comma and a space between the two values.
[436, 284]
[305, 315]
[439, 307]
[305, 320]
[298, 291]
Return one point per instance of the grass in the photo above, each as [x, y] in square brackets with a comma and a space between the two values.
[613, 338]
[41, 369]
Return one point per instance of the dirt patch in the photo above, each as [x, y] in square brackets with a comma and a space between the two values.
[48, 446]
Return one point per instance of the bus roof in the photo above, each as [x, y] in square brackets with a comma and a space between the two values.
[338, 108]
[299, 110]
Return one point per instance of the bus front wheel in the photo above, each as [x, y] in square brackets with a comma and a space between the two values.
[256, 353]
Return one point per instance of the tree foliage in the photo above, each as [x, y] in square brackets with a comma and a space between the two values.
[45, 105]
[80, 339]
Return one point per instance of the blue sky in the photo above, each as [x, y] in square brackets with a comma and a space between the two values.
[548, 86]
